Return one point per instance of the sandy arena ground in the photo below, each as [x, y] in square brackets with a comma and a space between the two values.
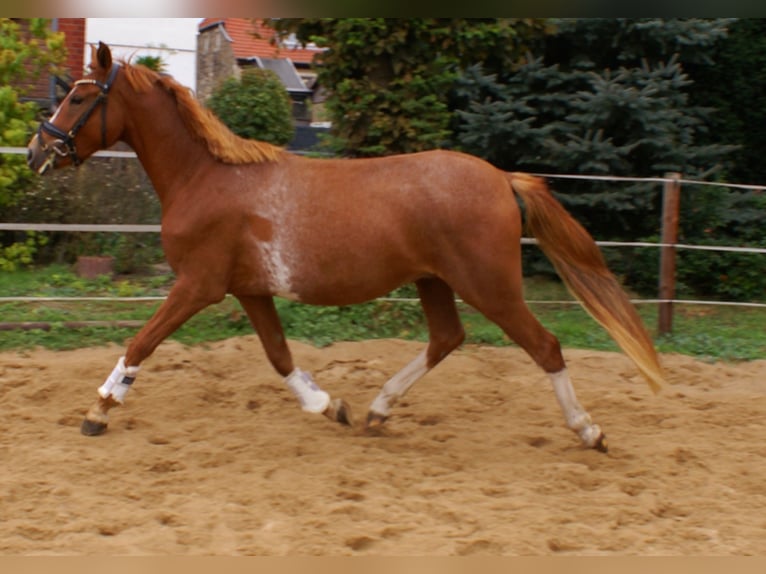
[211, 455]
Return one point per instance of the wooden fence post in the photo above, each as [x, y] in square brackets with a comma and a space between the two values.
[671, 201]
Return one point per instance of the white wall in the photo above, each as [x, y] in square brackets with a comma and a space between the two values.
[173, 39]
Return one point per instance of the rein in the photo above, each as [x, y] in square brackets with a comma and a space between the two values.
[64, 144]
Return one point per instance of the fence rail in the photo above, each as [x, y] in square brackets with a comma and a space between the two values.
[102, 153]
[42, 299]
[666, 179]
[120, 228]
[156, 228]
[668, 246]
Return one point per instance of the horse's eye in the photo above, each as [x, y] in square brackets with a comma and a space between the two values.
[77, 100]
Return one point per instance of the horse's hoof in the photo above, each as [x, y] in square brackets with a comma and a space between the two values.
[91, 428]
[375, 420]
[343, 414]
[601, 445]
[339, 411]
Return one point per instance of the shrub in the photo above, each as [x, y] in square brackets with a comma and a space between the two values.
[256, 106]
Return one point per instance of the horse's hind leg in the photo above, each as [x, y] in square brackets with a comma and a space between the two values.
[264, 318]
[525, 330]
[445, 334]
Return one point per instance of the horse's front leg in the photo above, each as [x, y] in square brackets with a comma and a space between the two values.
[182, 302]
[446, 333]
[265, 320]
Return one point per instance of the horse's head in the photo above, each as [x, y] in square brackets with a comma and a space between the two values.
[83, 122]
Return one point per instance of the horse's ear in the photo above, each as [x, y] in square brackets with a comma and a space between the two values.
[104, 56]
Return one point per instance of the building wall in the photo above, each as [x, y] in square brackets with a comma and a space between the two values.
[74, 29]
[215, 61]
[40, 89]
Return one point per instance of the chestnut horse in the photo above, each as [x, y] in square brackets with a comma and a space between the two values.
[248, 218]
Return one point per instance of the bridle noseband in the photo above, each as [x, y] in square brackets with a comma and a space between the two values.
[64, 142]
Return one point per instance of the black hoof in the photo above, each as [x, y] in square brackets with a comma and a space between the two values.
[90, 428]
[601, 445]
[343, 414]
[338, 411]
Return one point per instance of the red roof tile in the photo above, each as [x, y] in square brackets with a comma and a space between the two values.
[252, 38]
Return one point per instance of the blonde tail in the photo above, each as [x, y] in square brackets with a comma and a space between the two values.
[581, 266]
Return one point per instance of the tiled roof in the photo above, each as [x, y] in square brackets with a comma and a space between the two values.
[252, 38]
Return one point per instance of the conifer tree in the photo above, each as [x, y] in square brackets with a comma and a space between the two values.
[615, 103]
[736, 87]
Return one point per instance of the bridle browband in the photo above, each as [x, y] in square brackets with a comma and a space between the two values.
[64, 142]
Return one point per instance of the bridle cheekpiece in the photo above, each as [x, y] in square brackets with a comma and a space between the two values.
[64, 144]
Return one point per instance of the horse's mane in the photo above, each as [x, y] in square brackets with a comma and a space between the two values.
[222, 143]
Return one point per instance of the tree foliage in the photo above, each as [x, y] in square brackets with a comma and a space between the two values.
[595, 103]
[599, 43]
[736, 88]
[23, 57]
[389, 79]
[153, 62]
[255, 106]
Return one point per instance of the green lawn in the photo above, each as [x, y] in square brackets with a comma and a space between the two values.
[711, 333]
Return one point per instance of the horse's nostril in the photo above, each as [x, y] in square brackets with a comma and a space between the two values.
[29, 157]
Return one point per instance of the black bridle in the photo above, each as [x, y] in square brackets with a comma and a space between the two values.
[64, 144]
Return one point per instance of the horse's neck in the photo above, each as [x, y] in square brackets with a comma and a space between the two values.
[168, 152]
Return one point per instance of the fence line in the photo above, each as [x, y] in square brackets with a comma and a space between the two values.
[679, 180]
[25, 299]
[102, 153]
[121, 228]
[149, 228]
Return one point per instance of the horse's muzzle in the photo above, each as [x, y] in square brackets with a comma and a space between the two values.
[39, 159]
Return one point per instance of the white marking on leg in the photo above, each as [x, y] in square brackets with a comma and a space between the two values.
[398, 385]
[576, 416]
[118, 382]
[312, 398]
